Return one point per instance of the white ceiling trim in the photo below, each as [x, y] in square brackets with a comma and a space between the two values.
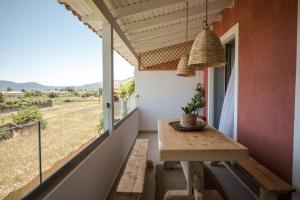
[174, 28]
[214, 7]
[142, 7]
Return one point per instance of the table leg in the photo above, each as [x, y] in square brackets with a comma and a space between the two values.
[198, 180]
[194, 171]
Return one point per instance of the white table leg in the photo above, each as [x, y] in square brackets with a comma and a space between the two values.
[194, 173]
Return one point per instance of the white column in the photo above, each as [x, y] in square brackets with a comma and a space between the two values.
[108, 72]
[296, 153]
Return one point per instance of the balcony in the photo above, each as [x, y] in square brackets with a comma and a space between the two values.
[261, 42]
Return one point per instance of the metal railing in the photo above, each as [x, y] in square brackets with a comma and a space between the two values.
[34, 151]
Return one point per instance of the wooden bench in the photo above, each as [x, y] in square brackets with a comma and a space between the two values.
[262, 183]
[132, 180]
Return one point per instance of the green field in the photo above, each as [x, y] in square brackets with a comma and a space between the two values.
[70, 126]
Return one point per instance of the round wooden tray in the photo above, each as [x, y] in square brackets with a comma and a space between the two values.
[199, 126]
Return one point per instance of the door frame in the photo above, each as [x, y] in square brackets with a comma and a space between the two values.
[296, 150]
[232, 33]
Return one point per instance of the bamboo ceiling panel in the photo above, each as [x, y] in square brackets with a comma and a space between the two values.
[163, 59]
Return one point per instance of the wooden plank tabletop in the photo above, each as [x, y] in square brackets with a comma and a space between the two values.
[206, 145]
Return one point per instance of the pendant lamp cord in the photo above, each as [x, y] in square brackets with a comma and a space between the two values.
[205, 22]
[206, 11]
[187, 21]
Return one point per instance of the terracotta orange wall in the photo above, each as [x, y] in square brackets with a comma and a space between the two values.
[267, 70]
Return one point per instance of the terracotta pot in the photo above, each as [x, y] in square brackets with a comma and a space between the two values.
[188, 120]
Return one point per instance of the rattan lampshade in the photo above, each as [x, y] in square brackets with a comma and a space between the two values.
[207, 51]
[183, 69]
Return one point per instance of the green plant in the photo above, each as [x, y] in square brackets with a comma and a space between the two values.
[126, 89]
[68, 100]
[69, 89]
[2, 98]
[87, 94]
[1, 121]
[100, 91]
[28, 114]
[8, 89]
[33, 93]
[101, 124]
[53, 95]
[197, 102]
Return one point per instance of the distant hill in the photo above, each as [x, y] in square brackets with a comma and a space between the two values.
[40, 87]
[90, 86]
[20, 86]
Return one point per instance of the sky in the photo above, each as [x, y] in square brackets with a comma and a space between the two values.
[40, 41]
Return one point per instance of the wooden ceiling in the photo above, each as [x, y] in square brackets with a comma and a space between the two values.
[142, 27]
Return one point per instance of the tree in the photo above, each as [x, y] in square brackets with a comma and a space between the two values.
[23, 90]
[125, 91]
[2, 98]
[100, 91]
[33, 93]
[28, 114]
[69, 89]
[8, 89]
[53, 95]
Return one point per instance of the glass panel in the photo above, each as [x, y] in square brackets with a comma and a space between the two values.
[52, 72]
[124, 87]
[19, 159]
[65, 135]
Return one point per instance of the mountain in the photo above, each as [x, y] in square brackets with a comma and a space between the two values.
[90, 86]
[20, 86]
[40, 87]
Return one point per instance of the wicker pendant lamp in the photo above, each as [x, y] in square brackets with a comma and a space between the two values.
[207, 49]
[182, 68]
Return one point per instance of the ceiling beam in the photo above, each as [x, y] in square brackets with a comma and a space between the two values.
[142, 7]
[107, 14]
[178, 27]
[200, 10]
[160, 44]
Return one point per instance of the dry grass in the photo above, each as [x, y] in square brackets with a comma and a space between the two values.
[65, 133]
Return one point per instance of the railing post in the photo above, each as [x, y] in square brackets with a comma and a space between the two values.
[40, 150]
[108, 72]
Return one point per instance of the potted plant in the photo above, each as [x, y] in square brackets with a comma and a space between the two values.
[189, 117]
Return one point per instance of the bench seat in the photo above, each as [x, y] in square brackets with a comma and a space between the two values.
[132, 180]
[261, 182]
[266, 178]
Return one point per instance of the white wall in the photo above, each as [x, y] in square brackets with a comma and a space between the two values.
[296, 154]
[94, 177]
[162, 94]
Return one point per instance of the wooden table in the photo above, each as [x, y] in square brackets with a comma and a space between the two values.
[195, 147]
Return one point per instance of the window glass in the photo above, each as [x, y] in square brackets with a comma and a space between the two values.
[50, 91]
[124, 87]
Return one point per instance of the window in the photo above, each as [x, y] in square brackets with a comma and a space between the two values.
[51, 99]
[124, 87]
